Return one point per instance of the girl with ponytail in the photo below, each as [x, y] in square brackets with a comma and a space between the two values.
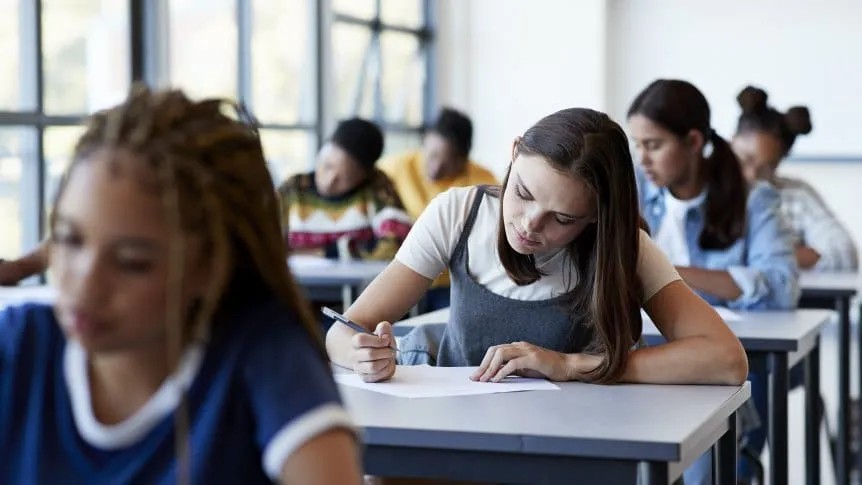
[728, 241]
[726, 238]
[764, 137]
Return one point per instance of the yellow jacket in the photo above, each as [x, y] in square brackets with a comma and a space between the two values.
[407, 172]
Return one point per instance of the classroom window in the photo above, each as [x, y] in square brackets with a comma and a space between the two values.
[380, 49]
[65, 59]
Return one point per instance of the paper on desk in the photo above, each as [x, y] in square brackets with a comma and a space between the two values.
[728, 315]
[416, 381]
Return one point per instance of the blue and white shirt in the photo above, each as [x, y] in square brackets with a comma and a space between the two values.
[256, 392]
[762, 262]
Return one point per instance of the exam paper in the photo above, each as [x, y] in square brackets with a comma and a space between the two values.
[415, 381]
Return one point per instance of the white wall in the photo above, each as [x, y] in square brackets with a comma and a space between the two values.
[801, 52]
[510, 62]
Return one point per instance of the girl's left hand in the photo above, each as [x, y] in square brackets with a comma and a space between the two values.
[526, 360]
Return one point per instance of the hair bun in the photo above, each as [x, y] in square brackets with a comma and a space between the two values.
[798, 120]
[752, 99]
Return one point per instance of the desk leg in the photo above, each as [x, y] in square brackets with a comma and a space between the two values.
[657, 473]
[842, 305]
[725, 455]
[812, 415]
[346, 297]
[778, 413]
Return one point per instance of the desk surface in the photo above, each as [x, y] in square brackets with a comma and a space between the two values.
[829, 284]
[17, 295]
[629, 421]
[762, 331]
[320, 271]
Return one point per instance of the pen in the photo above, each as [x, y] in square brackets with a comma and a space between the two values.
[329, 312]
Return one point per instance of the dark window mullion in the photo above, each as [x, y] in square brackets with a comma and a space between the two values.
[429, 100]
[319, 106]
[244, 22]
[40, 167]
[137, 45]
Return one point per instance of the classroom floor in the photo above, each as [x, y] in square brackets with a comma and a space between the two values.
[829, 389]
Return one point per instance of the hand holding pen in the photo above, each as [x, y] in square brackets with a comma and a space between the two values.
[373, 354]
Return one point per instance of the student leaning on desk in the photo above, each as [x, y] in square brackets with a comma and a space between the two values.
[179, 349]
[559, 294]
[726, 238]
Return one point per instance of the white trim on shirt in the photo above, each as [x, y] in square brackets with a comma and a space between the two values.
[299, 431]
[136, 426]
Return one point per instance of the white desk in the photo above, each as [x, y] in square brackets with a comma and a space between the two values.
[16, 295]
[784, 338]
[584, 432]
[836, 290]
[326, 279]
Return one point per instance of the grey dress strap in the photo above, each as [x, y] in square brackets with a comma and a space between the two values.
[480, 318]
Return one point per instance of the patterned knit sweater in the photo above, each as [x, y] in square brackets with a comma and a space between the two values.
[371, 216]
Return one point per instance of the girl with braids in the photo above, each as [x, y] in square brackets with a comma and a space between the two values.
[764, 136]
[179, 349]
[560, 290]
[728, 242]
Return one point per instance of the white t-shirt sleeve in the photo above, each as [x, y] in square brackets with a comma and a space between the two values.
[654, 269]
[431, 242]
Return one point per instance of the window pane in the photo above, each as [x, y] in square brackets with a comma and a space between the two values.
[363, 9]
[401, 141]
[17, 164]
[203, 47]
[287, 152]
[86, 54]
[12, 51]
[354, 67]
[282, 53]
[405, 13]
[403, 78]
[59, 143]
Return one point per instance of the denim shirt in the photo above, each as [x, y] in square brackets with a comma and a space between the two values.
[762, 263]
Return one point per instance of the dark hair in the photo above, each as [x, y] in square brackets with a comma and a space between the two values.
[456, 128]
[757, 115]
[361, 139]
[680, 107]
[589, 145]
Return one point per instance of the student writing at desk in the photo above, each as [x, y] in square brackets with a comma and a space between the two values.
[560, 290]
[179, 349]
[728, 242]
[345, 197]
[764, 137]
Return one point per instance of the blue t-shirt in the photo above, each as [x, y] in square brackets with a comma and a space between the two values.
[256, 391]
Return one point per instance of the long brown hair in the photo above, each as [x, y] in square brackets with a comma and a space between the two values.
[211, 174]
[589, 145]
[680, 107]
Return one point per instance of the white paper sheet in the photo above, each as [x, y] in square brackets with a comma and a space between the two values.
[298, 262]
[415, 381]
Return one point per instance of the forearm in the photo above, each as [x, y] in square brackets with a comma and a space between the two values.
[693, 360]
[717, 283]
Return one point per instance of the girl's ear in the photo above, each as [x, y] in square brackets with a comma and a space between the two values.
[515, 144]
[695, 141]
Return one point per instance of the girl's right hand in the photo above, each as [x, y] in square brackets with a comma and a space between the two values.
[373, 355]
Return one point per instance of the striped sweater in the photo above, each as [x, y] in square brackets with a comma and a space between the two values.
[371, 216]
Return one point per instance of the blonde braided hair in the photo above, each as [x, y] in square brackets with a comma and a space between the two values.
[211, 173]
